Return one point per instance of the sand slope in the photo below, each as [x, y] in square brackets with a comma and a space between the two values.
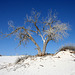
[62, 63]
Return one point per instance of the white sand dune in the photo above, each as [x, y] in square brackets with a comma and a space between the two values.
[62, 63]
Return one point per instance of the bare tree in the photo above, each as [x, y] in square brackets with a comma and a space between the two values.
[51, 29]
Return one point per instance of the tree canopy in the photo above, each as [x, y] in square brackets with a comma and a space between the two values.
[51, 29]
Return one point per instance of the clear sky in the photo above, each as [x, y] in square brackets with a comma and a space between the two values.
[16, 11]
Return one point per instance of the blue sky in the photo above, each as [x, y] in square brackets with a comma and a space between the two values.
[16, 11]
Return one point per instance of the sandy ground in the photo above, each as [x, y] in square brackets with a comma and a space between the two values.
[62, 63]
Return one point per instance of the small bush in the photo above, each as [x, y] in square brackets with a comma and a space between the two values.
[0, 55]
[65, 48]
[70, 48]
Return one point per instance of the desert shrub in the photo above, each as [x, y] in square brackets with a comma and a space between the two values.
[0, 55]
[71, 48]
[65, 48]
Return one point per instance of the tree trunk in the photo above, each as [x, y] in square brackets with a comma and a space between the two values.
[44, 46]
[38, 48]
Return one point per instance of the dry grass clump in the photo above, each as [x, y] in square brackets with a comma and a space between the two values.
[0, 55]
[46, 54]
[21, 59]
[70, 48]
